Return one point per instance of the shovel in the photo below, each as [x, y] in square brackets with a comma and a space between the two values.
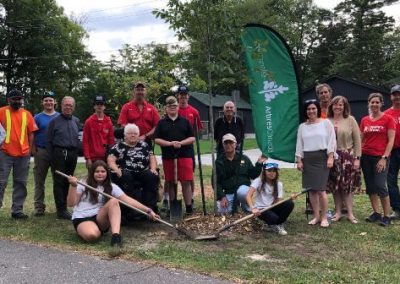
[175, 205]
[241, 220]
[181, 230]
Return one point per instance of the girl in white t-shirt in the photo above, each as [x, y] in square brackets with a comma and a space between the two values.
[93, 214]
[267, 190]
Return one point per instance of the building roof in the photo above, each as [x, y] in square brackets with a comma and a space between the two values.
[353, 81]
[218, 100]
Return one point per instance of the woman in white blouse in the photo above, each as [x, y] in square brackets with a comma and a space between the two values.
[315, 148]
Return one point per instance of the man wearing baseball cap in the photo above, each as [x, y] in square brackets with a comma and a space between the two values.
[394, 164]
[140, 112]
[175, 136]
[41, 156]
[15, 150]
[234, 174]
[190, 113]
[98, 133]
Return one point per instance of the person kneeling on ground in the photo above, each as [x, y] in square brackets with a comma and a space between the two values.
[268, 190]
[93, 213]
[234, 174]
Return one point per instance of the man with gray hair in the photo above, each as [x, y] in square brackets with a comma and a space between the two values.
[229, 123]
[62, 143]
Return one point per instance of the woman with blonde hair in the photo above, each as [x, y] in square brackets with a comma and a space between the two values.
[345, 176]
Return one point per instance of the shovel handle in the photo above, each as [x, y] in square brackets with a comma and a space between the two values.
[226, 227]
[112, 197]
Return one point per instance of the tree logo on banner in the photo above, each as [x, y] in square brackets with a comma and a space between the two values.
[272, 90]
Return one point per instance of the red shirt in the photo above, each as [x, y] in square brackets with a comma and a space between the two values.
[395, 113]
[375, 134]
[96, 134]
[146, 119]
[191, 114]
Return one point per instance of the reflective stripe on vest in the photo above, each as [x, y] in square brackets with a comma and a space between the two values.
[8, 125]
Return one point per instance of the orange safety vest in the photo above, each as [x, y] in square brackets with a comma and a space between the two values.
[8, 127]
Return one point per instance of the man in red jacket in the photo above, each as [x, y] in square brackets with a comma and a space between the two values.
[98, 133]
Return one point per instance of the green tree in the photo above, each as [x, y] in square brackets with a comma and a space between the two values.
[366, 50]
[41, 48]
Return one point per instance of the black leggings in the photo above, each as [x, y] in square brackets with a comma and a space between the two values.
[278, 214]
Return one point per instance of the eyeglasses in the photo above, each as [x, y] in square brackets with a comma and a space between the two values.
[99, 104]
[228, 142]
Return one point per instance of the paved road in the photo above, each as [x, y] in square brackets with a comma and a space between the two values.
[25, 263]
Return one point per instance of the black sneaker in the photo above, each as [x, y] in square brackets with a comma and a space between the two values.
[19, 215]
[64, 215]
[116, 240]
[374, 217]
[385, 221]
[38, 213]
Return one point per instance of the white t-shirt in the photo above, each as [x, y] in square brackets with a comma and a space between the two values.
[264, 198]
[85, 208]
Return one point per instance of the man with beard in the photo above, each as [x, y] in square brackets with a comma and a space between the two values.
[394, 164]
[41, 156]
[15, 151]
[62, 143]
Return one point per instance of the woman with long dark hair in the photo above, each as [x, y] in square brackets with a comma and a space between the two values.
[267, 190]
[93, 213]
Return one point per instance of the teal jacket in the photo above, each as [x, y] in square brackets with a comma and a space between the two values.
[232, 174]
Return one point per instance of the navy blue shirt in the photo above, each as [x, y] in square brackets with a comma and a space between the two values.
[63, 132]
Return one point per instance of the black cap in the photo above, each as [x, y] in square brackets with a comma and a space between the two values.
[99, 99]
[183, 89]
[49, 94]
[14, 94]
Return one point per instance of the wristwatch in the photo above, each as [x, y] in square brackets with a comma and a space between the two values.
[384, 157]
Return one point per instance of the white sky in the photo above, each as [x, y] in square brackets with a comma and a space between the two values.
[111, 24]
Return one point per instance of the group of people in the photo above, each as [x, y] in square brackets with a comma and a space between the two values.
[53, 139]
[332, 150]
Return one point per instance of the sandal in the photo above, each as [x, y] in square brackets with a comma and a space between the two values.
[353, 220]
[313, 222]
[325, 224]
[336, 218]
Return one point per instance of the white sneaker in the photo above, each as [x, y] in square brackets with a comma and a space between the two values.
[280, 230]
[395, 215]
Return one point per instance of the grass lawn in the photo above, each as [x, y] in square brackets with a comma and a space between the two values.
[343, 253]
[205, 146]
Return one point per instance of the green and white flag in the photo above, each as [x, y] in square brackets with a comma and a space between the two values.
[274, 91]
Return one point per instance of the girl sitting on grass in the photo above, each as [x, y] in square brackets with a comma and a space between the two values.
[93, 213]
[267, 190]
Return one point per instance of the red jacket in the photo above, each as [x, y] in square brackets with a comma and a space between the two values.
[96, 134]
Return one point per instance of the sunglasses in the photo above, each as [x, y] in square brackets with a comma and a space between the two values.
[310, 101]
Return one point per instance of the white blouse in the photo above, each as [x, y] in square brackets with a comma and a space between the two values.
[315, 137]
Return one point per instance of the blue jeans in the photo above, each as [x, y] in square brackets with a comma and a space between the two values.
[241, 199]
[20, 167]
[393, 172]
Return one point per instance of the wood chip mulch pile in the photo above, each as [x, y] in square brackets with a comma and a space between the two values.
[209, 224]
